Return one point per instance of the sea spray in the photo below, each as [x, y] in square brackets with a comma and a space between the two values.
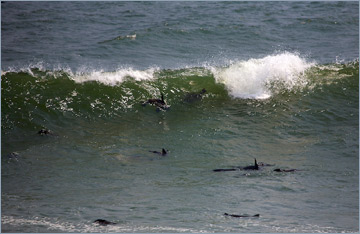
[115, 78]
[261, 78]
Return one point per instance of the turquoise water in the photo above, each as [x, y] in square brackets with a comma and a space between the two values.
[282, 86]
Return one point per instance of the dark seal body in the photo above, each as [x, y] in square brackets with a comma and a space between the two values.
[163, 152]
[241, 216]
[285, 170]
[191, 97]
[255, 167]
[159, 103]
[103, 222]
[43, 132]
[230, 169]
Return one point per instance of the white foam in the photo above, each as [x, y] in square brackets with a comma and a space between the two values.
[49, 70]
[260, 78]
[115, 78]
[56, 225]
[36, 221]
[43, 224]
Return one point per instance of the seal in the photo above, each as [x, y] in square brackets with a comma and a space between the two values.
[13, 156]
[262, 164]
[163, 152]
[159, 103]
[44, 131]
[155, 101]
[255, 167]
[103, 222]
[218, 170]
[191, 97]
[285, 170]
[241, 216]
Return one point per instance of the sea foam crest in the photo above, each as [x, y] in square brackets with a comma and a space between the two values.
[261, 78]
[115, 78]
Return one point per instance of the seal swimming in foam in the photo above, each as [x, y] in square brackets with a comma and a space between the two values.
[159, 103]
[103, 222]
[163, 152]
[255, 167]
[241, 216]
[190, 97]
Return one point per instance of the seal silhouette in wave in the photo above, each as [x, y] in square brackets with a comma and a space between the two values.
[163, 152]
[159, 103]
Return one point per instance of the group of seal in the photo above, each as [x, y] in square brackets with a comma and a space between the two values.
[256, 166]
[161, 105]
[103, 222]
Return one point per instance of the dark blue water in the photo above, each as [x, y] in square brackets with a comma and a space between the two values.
[282, 86]
[173, 35]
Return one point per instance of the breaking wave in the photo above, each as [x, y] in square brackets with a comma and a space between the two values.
[36, 92]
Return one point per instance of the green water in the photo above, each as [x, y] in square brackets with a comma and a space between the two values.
[98, 165]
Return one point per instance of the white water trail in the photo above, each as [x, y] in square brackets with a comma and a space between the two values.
[115, 78]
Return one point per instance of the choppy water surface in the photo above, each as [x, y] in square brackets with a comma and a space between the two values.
[282, 86]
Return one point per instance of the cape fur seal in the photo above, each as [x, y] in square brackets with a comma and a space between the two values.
[103, 222]
[159, 103]
[218, 170]
[155, 101]
[284, 170]
[241, 216]
[255, 167]
[163, 152]
[44, 131]
[190, 97]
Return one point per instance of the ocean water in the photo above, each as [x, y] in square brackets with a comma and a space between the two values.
[282, 86]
